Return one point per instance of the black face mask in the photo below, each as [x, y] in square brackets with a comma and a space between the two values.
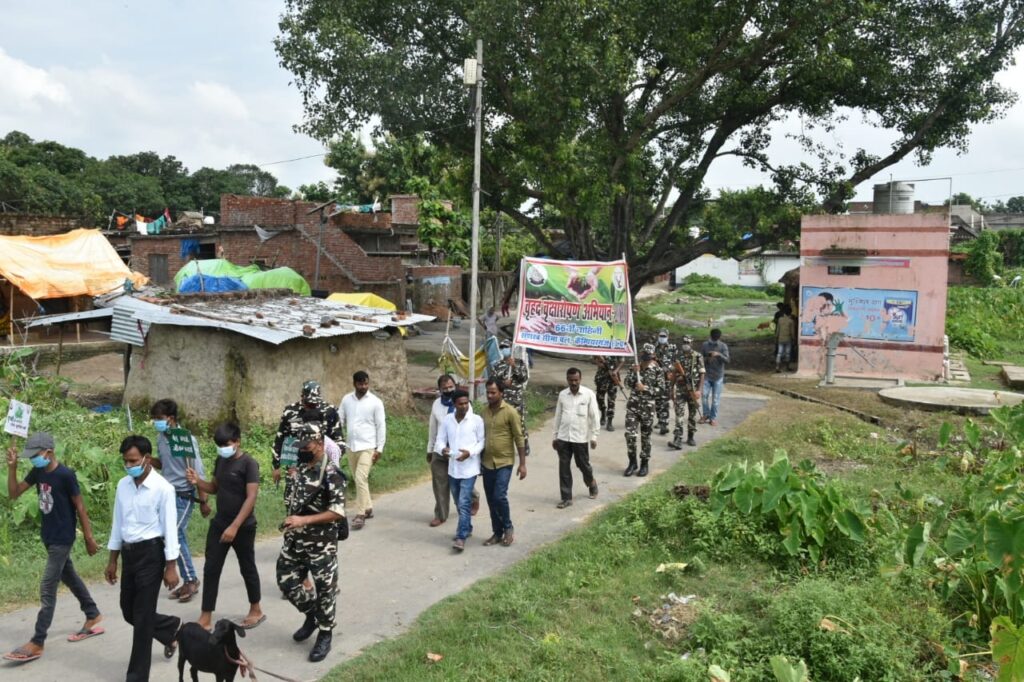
[305, 456]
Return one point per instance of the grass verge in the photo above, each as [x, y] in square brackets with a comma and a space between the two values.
[592, 606]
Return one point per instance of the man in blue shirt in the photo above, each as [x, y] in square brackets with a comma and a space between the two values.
[716, 356]
[60, 501]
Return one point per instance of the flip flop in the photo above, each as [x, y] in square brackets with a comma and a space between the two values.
[250, 626]
[20, 655]
[86, 633]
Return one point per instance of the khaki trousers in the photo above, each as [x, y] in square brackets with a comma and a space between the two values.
[359, 464]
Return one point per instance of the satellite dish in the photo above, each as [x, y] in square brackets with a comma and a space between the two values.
[208, 220]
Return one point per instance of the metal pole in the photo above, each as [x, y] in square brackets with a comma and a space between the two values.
[473, 293]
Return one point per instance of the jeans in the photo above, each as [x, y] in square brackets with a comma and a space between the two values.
[712, 396]
[142, 572]
[217, 551]
[59, 569]
[185, 566]
[462, 493]
[496, 490]
[784, 349]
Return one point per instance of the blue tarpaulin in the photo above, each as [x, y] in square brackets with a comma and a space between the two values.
[210, 284]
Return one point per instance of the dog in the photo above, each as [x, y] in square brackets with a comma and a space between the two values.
[207, 652]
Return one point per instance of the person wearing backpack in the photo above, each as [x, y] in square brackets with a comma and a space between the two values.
[315, 514]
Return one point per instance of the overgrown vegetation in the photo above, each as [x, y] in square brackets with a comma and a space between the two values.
[986, 322]
[704, 301]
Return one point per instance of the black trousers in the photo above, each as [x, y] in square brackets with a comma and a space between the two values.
[567, 452]
[244, 545]
[142, 571]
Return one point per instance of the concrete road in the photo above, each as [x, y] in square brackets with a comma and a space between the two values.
[392, 570]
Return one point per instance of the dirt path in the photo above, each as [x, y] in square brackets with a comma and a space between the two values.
[391, 571]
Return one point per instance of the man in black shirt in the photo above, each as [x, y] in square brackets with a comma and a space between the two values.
[59, 501]
[235, 482]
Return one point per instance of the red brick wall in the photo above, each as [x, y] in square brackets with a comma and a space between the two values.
[33, 225]
[363, 221]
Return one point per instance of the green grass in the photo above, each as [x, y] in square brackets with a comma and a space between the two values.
[425, 358]
[580, 609]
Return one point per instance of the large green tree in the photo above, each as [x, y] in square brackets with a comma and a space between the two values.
[607, 115]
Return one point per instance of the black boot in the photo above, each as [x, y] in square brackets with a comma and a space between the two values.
[322, 647]
[663, 429]
[602, 420]
[608, 425]
[675, 444]
[303, 633]
[643, 468]
[691, 440]
[631, 469]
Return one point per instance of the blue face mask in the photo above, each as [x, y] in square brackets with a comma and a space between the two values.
[160, 425]
[226, 451]
[505, 352]
[136, 470]
[39, 462]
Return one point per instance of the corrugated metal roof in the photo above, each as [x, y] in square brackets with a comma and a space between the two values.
[273, 320]
[47, 320]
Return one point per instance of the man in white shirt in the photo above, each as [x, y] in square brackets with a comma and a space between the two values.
[362, 417]
[145, 532]
[461, 440]
[576, 423]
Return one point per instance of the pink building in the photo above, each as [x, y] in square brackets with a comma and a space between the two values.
[876, 284]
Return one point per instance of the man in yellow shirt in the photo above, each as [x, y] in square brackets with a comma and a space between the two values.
[503, 438]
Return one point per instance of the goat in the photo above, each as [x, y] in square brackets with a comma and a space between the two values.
[207, 652]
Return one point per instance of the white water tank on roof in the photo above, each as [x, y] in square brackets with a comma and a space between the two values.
[894, 197]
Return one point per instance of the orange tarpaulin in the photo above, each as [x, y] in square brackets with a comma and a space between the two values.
[77, 263]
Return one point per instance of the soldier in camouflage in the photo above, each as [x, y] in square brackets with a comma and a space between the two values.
[645, 382]
[513, 375]
[606, 388]
[315, 504]
[687, 378]
[665, 353]
[312, 399]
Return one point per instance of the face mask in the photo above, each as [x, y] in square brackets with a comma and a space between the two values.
[662, 339]
[448, 392]
[686, 347]
[39, 462]
[505, 352]
[136, 470]
[160, 425]
[226, 451]
[305, 456]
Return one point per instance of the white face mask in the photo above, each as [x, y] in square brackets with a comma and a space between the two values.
[663, 339]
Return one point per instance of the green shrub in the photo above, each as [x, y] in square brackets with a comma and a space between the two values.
[985, 322]
[696, 284]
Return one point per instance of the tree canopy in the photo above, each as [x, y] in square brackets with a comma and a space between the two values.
[48, 177]
[603, 119]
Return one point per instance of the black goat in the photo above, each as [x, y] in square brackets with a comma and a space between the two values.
[207, 652]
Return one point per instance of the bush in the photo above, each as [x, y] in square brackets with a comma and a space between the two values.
[775, 290]
[984, 322]
[696, 284]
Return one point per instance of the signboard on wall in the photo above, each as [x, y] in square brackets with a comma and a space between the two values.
[876, 314]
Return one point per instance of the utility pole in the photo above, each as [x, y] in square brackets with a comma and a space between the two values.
[477, 76]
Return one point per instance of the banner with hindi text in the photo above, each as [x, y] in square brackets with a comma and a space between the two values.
[576, 307]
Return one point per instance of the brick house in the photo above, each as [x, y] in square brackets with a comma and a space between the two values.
[376, 252]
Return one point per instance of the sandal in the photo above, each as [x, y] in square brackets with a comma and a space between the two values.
[22, 655]
[249, 626]
[86, 633]
[189, 590]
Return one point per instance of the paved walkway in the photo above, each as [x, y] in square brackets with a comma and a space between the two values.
[392, 570]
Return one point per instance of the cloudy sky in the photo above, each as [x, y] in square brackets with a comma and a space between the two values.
[200, 81]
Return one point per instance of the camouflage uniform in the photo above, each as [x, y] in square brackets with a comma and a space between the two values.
[665, 353]
[640, 407]
[290, 420]
[604, 386]
[312, 549]
[686, 387]
[514, 379]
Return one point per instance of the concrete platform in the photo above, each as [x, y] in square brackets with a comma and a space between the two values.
[960, 400]
[1013, 376]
